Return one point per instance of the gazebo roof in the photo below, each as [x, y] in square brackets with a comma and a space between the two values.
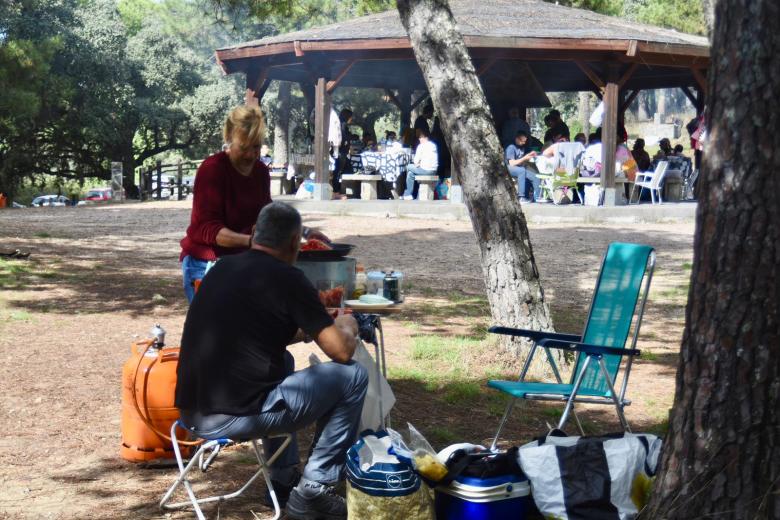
[506, 22]
[562, 48]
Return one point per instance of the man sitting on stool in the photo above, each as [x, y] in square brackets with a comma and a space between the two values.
[426, 161]
[517, 160]
[236, 379]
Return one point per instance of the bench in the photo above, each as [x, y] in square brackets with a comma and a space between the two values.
[368, 184]
[277, 183]
[427, 186]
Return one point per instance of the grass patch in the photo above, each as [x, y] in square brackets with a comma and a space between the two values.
[676, 293]
[20, 316]
[435, 348]
[13, 272]
[462, 392]
[42, 234]
[441, 436]
[648, 356]
[687, 266]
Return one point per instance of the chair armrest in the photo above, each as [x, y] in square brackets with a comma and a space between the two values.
[535, 335]
[586, 348]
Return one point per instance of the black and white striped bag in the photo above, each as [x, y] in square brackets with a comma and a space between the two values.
[594, 478]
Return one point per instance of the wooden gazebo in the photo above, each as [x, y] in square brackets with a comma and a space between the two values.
[520, 49]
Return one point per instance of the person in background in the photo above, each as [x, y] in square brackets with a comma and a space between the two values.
[513, 125]
[408, 138]
[517, 158]
[265, 155]
[231, 187]
[641, 156]
[421, 123]
[678, 150]
[556, 128]
[389, 139]
[664, 151]
[580, 138]
[426, 161]
[236, 379]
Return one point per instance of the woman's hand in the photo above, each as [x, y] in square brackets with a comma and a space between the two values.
[316, 233]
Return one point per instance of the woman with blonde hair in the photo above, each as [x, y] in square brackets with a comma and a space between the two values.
[231, 187]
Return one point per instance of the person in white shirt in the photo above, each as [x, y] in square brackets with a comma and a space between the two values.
[426, 161]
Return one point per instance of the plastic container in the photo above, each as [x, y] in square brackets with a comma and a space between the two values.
[375, 282]
[361, 282]
[498, 498]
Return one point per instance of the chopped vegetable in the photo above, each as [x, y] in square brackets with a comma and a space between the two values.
[315, 245]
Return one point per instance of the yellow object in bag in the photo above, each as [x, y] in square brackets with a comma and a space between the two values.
[416, 506]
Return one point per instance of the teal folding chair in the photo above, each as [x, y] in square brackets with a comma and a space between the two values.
[601, 347]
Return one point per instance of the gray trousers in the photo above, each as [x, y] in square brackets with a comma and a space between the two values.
[330, 394]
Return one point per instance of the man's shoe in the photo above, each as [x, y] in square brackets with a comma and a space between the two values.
[326, 504]
[408, 197]
[282, 490]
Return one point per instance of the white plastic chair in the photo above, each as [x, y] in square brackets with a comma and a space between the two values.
[203, 457]
[651, 181]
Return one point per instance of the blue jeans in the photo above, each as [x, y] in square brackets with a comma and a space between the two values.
[192, 269]
[411, 172]
[524, 177]
[330, 394]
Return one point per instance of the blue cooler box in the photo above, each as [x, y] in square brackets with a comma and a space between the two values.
[498, 498]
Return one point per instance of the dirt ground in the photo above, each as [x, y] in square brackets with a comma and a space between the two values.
[99, 277]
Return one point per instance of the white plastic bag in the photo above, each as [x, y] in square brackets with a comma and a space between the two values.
[597, 116]
[371, 418]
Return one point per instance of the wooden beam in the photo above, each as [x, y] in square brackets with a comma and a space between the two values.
[343, 72]
[263, 88]
[630, 99]
[419, 100]
[486, 66]
[598, 93]
[392, 98]
[321, 124]
[700, 79]
[691, 97]
[632, 48]
[628, 48]
[591, 75]
[254, 83]
[627, 75]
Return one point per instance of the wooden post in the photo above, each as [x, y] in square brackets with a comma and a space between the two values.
[609, 136]
[405, 97]
[159, 180]
[142, 183]
[179, 175]
[322, 188]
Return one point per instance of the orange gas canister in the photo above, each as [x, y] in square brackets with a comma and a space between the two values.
[148, 410]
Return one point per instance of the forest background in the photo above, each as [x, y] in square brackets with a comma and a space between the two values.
[87, 82]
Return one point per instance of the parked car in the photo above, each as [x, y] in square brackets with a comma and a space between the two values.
[50, 201]
[99, 194]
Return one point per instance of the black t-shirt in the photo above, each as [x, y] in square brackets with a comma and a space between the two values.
[247, 310]
[559, 129]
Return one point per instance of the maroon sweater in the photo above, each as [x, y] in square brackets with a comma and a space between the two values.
[224, 198]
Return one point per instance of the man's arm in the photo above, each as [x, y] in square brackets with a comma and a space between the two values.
[339, 340]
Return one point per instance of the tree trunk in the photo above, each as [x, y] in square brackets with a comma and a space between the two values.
[584, 111]
[722, 455]
[282, 124]
[512, 280]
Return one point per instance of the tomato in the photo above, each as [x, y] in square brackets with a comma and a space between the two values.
[315, 245]
[332, 297]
